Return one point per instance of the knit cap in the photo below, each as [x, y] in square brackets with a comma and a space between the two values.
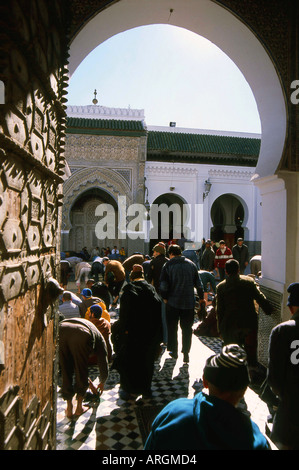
[137, 272]
[86, 293]
[96, 310]
[137, 268]
[228, 370]
[160, 248]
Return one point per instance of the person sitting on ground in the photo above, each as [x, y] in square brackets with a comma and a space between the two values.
[211, 421]
[95, 316]
[122, 254]
[208, 326]
[87, 300]
[84, 254]
[114, 253]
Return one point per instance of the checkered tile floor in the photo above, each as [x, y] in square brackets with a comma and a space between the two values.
[111, 423]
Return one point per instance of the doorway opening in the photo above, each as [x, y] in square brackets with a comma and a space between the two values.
[228, 217]
[84, 220]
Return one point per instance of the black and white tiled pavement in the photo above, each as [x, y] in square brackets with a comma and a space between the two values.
[112, 424]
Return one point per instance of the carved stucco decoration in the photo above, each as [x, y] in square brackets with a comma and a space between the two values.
[107, 180]
[231, 174]
[101, 148]
[158, 170]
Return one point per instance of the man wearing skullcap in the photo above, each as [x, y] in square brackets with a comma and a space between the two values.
[283, 375]
[210, 421]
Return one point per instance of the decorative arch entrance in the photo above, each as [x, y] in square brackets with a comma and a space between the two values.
[214, 22]
[84, 191]
[229, 217]
[169, 219]
[84, 220]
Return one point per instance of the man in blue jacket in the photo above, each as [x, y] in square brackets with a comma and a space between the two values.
[179, 278]
[211, 421]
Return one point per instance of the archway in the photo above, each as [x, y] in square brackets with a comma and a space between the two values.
[217, 24]
[84, 220]
[35, 107]
[91, 186]
[229, 216]
[227, 31]
[169, 219]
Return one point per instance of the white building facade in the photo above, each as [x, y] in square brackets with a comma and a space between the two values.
[230, 187]
[204, 174]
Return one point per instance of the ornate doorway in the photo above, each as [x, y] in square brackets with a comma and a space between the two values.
[84, 220]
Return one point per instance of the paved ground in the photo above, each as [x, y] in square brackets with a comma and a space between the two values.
[113, 424]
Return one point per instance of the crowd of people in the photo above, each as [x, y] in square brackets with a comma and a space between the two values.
[152, 296]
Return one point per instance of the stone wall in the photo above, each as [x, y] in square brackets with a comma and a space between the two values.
[33, 51]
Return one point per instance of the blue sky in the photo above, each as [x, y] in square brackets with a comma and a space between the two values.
[171, 73]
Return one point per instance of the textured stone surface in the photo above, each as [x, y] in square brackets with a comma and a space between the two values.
[33, 54]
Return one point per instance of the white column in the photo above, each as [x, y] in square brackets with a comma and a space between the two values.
[280, 232]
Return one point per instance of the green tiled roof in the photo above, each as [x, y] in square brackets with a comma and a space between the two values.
[104, 126]
[200, 143]
[175, 146]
